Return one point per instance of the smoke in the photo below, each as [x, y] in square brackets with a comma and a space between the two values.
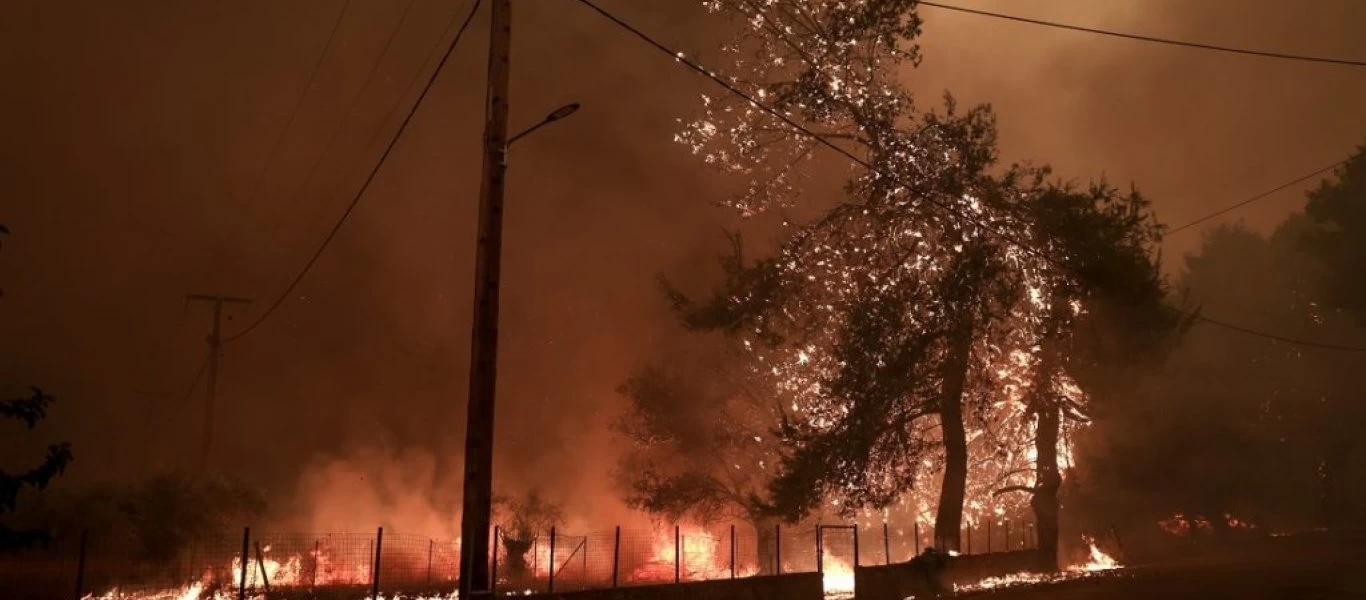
[401, 489]
[136, 132]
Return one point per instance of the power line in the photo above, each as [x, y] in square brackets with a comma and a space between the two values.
[1147, 38]
[298, 104]
[355, 100]
[1237, 205]
[189, 391]
[360, 193]
[1280, 338]
[682, 59]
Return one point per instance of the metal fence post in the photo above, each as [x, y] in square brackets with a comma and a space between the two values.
[778, 549]
[616, 556]
[317, 552]
[246, 545]
[989, 536]
[820, 558]
[886, 544]
[678, 554]
[917, 538]
[261, 566]
[969, 538]
[493, 571]
[80, 565]
[374, 576]
[856, 544]
[551, 567]
[1007, 524]
[431, 547]
[732, 551]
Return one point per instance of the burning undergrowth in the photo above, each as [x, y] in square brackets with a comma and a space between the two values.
[1097, 563]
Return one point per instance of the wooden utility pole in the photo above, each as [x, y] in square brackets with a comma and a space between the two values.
[215, 341]
[478, 494]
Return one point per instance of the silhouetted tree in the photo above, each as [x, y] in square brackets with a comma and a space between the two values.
[29, 410]
[159, 518]
[1232, 429]
[520, 522]
[701, 447]
[1336, 236]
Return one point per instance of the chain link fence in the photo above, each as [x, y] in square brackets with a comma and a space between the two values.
[354, 565]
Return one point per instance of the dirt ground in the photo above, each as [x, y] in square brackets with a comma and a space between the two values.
[1317, 567]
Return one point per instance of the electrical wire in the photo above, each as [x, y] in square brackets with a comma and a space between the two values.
[1147, 38]
[355, 101]
[958, 213]
[298, 104]
[1240, 204]
[185, 399]
[360, 193]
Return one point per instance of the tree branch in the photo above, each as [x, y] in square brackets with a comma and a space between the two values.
[1015, 488]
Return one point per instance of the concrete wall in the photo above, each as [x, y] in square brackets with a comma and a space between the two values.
[898, 581]
[799, 586]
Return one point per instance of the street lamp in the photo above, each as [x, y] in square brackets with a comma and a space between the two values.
[555, 115]
[477, 504]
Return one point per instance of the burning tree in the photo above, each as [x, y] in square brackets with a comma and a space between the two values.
[935, 311]
[701, 443]
[831, 65]
[1101, 259]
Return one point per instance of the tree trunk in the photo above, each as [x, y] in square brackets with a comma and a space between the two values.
[952, 492]
[515, 567]
[1045, 501]
[1044, 402]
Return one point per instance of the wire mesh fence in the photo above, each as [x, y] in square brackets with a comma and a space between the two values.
[353, 565]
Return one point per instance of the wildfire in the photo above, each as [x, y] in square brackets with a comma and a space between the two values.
[1098, 560]
[1006, 581]
[312, 569]
[705, 556]
[837, 578]
[196, 591]
[1180, 525]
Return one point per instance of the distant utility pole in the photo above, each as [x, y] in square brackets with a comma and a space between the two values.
[478, 494]
[215, 341]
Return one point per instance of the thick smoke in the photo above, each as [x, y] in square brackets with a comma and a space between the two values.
[136, 133]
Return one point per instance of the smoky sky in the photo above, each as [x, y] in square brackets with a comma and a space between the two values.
[134, 171]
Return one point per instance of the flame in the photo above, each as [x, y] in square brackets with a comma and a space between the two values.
[195, 591]
[313, 568]
[1006, 581]
[837, 578]
[1098, 560]
[703, 557]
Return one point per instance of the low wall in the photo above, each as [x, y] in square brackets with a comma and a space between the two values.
[901, 580]
[798, 586]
